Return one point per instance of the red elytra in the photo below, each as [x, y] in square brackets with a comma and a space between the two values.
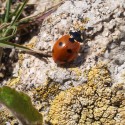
[64, 50]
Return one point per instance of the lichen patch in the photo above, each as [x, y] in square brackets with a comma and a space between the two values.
[94, 103]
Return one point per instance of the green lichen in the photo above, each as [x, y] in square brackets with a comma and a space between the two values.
[20, 105]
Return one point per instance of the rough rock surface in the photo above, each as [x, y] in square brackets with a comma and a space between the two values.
[95, 103]
[103, 25]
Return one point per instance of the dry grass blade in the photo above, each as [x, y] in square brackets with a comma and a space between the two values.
[35, 19]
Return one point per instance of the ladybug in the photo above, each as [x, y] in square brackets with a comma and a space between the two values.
[66, 48]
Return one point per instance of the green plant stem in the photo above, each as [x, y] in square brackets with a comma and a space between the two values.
[8, 4]
[19, 11]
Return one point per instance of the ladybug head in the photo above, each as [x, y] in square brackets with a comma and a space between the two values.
[76, 36]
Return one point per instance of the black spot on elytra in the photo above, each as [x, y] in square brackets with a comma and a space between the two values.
[69, 50]
[60, 43]
[71, 40]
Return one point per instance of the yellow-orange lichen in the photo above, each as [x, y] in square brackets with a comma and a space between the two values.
[94, 103]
